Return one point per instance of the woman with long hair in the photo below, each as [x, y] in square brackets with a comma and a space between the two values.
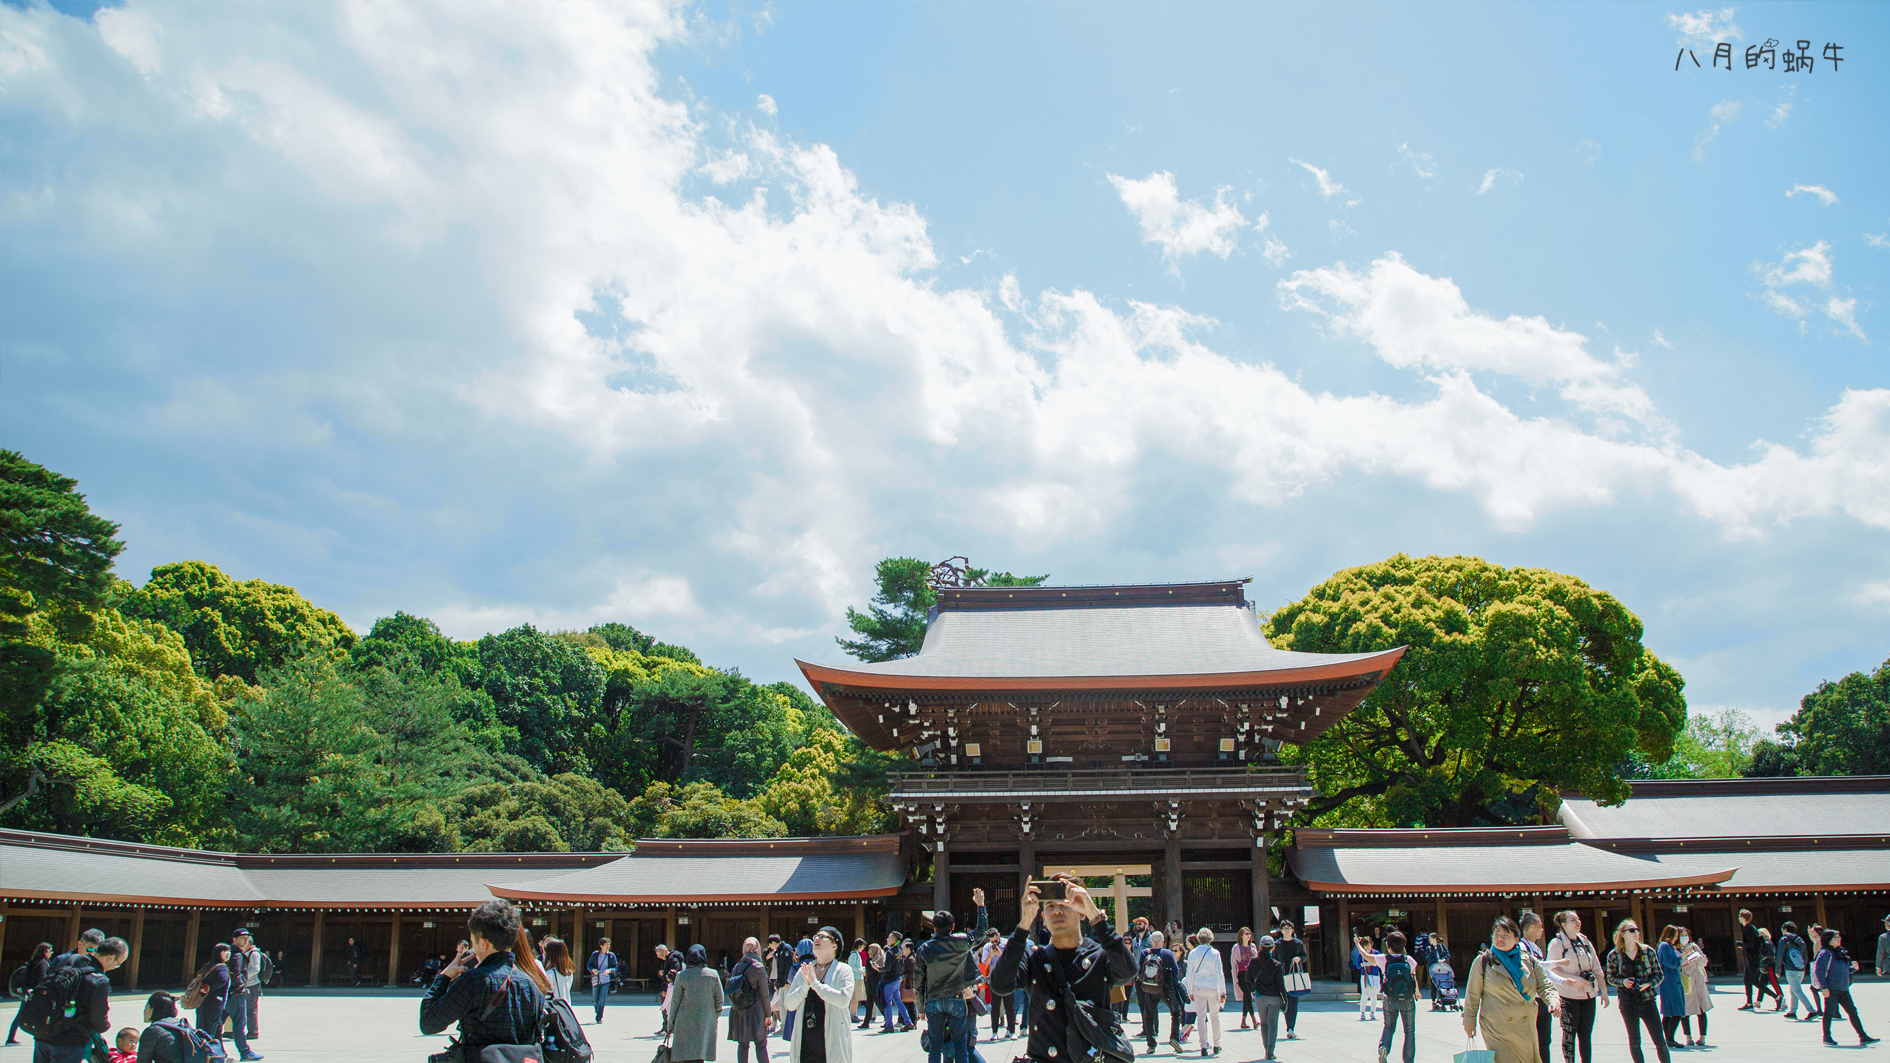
[1634, 972]
[1693, 964]
[528, 962]
[875, 975]
[37, 967]
[1582, 982]
[1673, 995]
[1243, 954]
[560, 968]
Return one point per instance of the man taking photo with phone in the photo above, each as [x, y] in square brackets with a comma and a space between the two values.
[1069, 982]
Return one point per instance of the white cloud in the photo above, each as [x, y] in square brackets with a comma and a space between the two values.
[133, 35]
[1421, 161]
[1704, 27]
[1874, 593]
[726, 166]
[1661, 340]
[1720, 116]
[1181, 227]
[797, 369]
[1589, 150]
[766, 105]
[1880, 240]
[1275, 251]
[1807, 265]
[1825, 195]
[1327, 186]
[1490, 177]
[1784, 108]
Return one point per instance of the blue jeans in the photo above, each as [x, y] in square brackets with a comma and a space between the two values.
[892, 1005]
[600, 995]
[1396, 1009]
[1796, 979]
[43, 1053]
[948, 1022]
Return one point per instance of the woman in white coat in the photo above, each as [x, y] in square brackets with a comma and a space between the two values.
[1207, 985]
[819, 995]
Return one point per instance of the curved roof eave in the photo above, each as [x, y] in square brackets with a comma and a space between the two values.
[1710, 878]
[514, 894]
[819, 675]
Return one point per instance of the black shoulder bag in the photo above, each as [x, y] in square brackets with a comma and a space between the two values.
[1096, 1025]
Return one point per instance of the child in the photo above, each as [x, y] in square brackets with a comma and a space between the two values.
[1370, 974]
[127, 1050]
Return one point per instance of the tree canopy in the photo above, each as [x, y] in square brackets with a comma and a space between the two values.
[1841, 728]
[235, 629]
[1517, 683]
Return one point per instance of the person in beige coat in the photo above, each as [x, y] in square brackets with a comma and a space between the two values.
[1500, 996]
[818, 994]
[1693, 964]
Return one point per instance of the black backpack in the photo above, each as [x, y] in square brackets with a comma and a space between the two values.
[268, 972]
[563, 1038]
[51, 1005]
[1151, 980]
[16, 982]
[1400, 979]
[193, 1045]
[740, 993]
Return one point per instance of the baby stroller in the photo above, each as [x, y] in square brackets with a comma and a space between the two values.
[1444, 988]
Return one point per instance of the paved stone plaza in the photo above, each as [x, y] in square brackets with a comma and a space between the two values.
[383, 1028]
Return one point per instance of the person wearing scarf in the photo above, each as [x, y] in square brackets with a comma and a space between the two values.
[695, 1004]
[1500, 998]
[818, 993]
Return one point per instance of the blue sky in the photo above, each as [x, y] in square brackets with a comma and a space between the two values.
[684, 316]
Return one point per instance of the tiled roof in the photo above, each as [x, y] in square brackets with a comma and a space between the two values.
[1102, 641]
[1532, 866]
[642, 879]
[1736, 808]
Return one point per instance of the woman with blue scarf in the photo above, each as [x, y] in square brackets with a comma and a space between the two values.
[1500, 997]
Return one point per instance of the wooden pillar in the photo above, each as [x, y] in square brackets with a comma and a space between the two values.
[1262, 899]
[190, 945]
[393, 953]
[315, 952]
[137, 947]
[72, 934]
[634, 952]
[1026, 868]
[1821, 922]
[576, 945]
[3, 930]
[1171, 882]
[859, 921]
[669, 928]
[941, 877]
[1443, 923]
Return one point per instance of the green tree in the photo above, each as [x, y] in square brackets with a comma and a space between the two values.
[56, 561]
[699, 810]
[1518, 683]
[235, 628]
[565, 813]
[1715, 745]
[1841, 728]
[306, 753]
[893, 625]
[400, 640]
[546, 693]
[808, 798]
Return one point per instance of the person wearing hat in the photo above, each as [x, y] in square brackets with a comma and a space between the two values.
[695, 1002]
[820, 992]
[1266, 981]
[246, 969]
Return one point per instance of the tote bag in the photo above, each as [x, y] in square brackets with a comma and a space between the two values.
[1472, 1054]
[1298, 982]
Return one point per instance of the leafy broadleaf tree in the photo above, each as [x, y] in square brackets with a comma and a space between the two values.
[893, 625]
[546, 692]
[1518, 683]
[1841, 728]
[699, 810]
[235, 628]
[565, 813]
[807, 796]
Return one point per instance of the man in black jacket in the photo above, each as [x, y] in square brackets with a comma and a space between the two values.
[494, 1002]
[1158, 982]
[1090, 966]
[1754, 949]
[946, 968]
[72, 1041]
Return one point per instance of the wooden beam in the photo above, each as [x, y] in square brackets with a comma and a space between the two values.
[190, 944]
[315, 952]
[1821, 921]
[1171, 882]
[1443, 922]
[859, 921]
[393, 952]
[73, 935]
[137, 947]
[576, 945]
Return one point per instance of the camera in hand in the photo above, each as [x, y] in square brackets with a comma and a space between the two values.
[1053, 889]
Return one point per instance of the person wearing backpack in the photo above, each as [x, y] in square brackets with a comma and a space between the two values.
[1575, 967]
[1399, 979]
[212, 995]
[69, 1010]
[1158, 982]
[22, 981]
[1794, 957]
[169, 1038]
[494, 988]
[749, 1015]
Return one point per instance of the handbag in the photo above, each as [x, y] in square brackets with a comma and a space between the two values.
[1474, 1055]
[1298, 982]
[1098, 1027]
[662, 1051]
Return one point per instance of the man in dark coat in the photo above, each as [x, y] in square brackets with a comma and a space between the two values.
[494, 1002]
[91, 1002]
[1158, 982]
[1091, 966]
[749, 1025]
